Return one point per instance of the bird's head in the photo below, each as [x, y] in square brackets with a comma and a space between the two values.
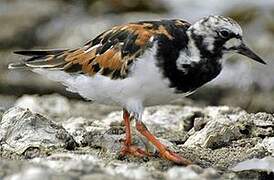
[218, 36]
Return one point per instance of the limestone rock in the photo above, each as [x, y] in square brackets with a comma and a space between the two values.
[221, 125]
[192, 172]
[268, 144]
[264, 164]
[213, 138]
[22, 131]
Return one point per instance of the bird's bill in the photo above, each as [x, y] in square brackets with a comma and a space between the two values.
[246, 51]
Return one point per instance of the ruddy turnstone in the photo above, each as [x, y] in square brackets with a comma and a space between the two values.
[143, 64]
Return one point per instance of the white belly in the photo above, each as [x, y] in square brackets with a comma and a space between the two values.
[145, 85]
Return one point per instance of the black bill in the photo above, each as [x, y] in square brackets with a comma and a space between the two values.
[244, 50]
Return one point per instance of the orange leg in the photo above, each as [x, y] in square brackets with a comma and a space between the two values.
[128, 148]
[164, 152]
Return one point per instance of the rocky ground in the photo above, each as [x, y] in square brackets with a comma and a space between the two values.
[51, 137]
[47, 24]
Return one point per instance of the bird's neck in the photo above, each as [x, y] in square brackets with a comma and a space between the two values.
[184, 65]
[202, 50]
[194, 69]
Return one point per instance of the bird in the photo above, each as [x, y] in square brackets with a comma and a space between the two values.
[143, 64]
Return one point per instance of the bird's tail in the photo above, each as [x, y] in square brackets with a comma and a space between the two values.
[53, 59]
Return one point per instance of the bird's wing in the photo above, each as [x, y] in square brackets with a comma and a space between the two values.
[110, 54]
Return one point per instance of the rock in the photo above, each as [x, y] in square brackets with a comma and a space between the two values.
[72, 163]
[9, 167]
[24, 132]
[268, 144]
[178, 173]
[32, 173]
[222, 126]
[261, 125]
[96, 176]
[2, 111]
[213, 138]
[262, 119]
[108, 143]
[264, 164]
[88, 166]
[191, 172]
[130, 171]
[66, 24]
[6, 102]
[76, 128]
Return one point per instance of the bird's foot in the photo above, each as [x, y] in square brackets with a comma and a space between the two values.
[163, 151]
[134, 151]
[174, 157]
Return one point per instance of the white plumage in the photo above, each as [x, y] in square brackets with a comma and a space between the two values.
[145, 85]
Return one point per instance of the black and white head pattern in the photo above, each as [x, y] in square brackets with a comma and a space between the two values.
[215, 35]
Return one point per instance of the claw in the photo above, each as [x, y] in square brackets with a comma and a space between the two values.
[177, 159]
[133, 150]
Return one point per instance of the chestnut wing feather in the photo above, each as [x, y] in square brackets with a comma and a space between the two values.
[112, 52]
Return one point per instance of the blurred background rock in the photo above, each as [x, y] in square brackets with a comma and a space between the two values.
[39, 24]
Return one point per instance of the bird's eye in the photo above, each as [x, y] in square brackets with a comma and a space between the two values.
[224, 33]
